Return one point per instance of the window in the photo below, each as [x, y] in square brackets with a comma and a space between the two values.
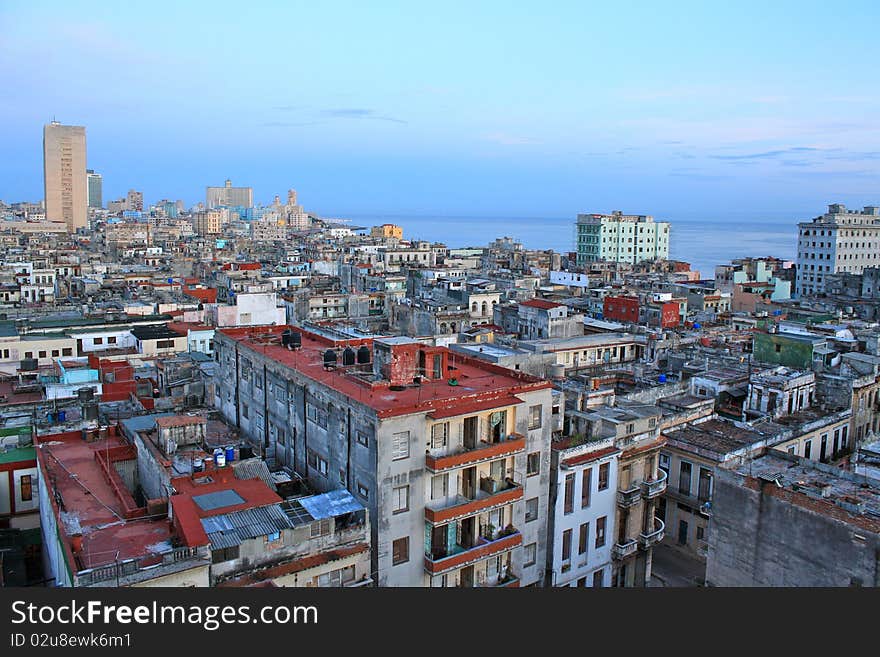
[600, 531]
[400, 551]
[684, 478]
[29, 354]
[439, 435]
[603, 476]
[533, 464]
[224, 554]
[316, 462]
[586, 486]
[244, 411]
[808, 445]
[98, 340]
[535, 417]
[584, 538]
[599, 578]
[705, 486]
[111, 339]
[363, 491]
[400, 445]
[566, 545]
[569, 494]
[274, 537]
[27, 493]
[530, 555]
[362, 438]
[400, 499]
[439, 486]
[531, 509]
[701, 533]
[54, 353]
[320, 528]
[42, 354]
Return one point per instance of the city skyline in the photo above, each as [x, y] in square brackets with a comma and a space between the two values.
[513, 112]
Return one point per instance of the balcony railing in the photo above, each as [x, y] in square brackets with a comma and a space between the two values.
[490, 493]
[482, 451]
[444, 561]
[629, 497]
[624, 550]
[647, 539]
[653, 487]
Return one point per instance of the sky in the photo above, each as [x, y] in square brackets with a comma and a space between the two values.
[524, 109]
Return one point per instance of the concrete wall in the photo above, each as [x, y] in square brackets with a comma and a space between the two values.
[759, 539]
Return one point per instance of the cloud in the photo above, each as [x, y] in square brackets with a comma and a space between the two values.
[358, 113]
[769, 154]
[509, 140]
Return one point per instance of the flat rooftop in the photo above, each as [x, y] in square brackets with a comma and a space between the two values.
[716, 437]
[478, 381]
[827, 489]
[90, 506]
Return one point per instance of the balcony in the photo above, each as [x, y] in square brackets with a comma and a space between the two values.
[653, 487]
[483, 548]
[624, 550]
[629, 497]
[482, 451]
[653, 537]
[490, 494]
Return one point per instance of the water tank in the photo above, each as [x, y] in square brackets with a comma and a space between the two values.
[286, 337]
[557, 371]
[198, 465]
[363, 354]
[245, 452]
[29, 364]
[219, 458]
[62, 415]
[230, 453]
[50, 418]
[661, 378]
[296, 339]
[348, 357]
[85, 394]
[329, 358]
[696, 326]
[102, 432]
[90, 411]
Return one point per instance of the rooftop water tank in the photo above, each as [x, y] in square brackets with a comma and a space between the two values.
[348, 357]
[363, 354]
[329, 358]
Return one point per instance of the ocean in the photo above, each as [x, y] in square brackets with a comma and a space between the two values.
[702, 241]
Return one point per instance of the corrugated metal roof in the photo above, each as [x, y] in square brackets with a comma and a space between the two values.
[333, 503]
[230, 529]
[253, 469]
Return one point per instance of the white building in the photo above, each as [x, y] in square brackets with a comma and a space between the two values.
[838, 241]
[251, 309]
[583, 498]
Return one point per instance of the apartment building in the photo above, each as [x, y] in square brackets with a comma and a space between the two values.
[621, 237]
[446, 453]
[634, 429]
[840, 240]
[583, 505]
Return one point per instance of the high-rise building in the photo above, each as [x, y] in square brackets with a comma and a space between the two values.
[840, 240]
[621, 237]
[64, 174]
[229, 196]
[96, 184]
[134, 201]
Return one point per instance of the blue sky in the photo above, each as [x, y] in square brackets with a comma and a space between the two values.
[461, 108]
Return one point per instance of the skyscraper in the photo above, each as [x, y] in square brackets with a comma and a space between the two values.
[96, 184]
[229, 196]
[64, 174]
